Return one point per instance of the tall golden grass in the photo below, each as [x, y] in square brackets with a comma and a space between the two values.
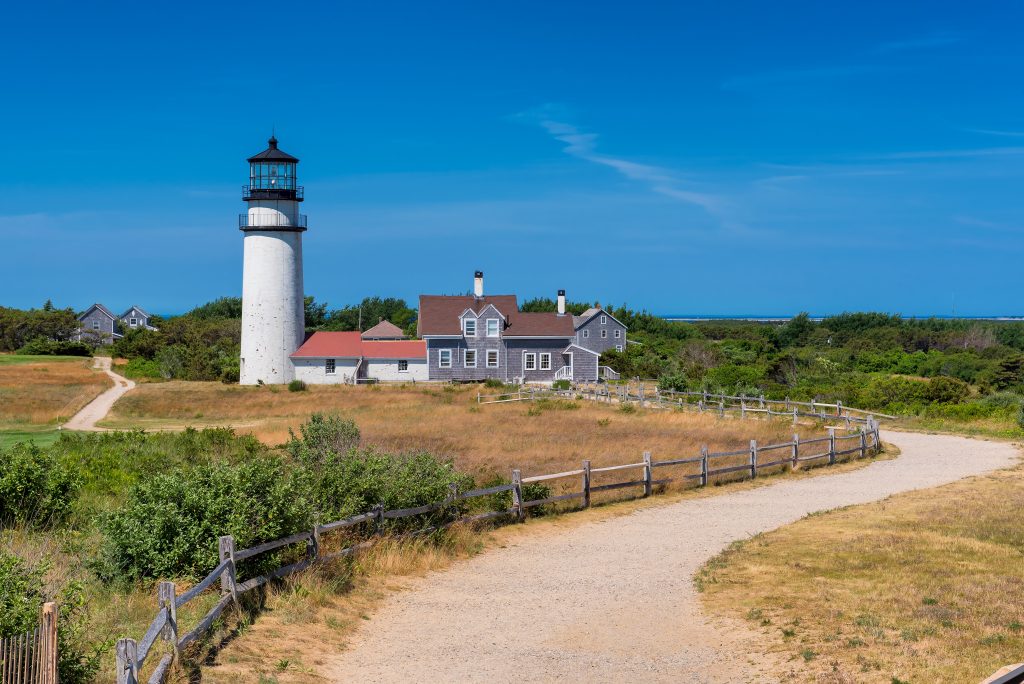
[537, 437]
[923, 587]
[44, 392]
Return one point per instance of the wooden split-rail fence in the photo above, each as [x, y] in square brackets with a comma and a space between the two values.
[31, 658]
[703, 402]
[743, 463]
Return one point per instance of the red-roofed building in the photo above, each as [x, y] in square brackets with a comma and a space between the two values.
[345, 358]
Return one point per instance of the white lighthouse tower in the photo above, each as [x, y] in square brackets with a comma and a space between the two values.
[273, 310]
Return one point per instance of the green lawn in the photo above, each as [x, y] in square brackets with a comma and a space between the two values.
[11, 359]
[41, 436]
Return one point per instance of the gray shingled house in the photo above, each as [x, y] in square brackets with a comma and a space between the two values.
[599, 331]
[478, 337]
[98, 324]
[135, 317]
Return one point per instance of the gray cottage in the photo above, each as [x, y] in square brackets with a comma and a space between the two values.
[97, 325]
[478, 337]
[135, 317]
[599, 331]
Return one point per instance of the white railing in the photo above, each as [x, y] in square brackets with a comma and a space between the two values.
[564, 373]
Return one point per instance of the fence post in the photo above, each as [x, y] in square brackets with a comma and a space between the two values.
[839, 409]
[831, 446]
[794, 415]
[703, 465]
[762, 401]
[753, 459]
[48, 644]
[796, 451]
[165, 599]
[721, 408]
[586, 483]
[127, 661]
[743, 407]
[647, 473]
[863, 442]
[517, 494]
[787, 404]
[226, 547]
[313, 543]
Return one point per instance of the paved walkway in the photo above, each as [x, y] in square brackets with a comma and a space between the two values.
[614, 601]
[97, 409]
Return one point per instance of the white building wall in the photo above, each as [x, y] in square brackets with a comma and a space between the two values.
[313, 371]
[273, 311]
[386, 370]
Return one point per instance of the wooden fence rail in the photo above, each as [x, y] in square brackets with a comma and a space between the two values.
[131, 654]
[31, 658]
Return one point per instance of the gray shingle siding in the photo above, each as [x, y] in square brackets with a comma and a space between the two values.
[518, 347]
[594, 327]
[141, 319]
[584, 366]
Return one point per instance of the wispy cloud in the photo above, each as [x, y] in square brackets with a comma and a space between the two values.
[948, 154]
[926, 42]
[583, 145]
[989, 131]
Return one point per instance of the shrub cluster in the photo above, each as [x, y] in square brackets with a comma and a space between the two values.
[43, 346]
[36, 488]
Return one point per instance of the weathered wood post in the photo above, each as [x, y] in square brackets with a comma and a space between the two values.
[831, 446]
[813, 405]
[127, 661]
[863, 442]
[313, 543]
[721, 408]
[795, 415]
[48, 644]
[753, 459]
[787, 404]
[743, 407]
[839, 409]
[762, 401]
[586, 483]
[165, 600]
[703, 465]
[700, 406]
[226, 547]
[796, 452]
[517, 494]
[648, 474]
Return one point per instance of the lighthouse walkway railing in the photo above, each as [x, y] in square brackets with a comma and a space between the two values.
[360, 532]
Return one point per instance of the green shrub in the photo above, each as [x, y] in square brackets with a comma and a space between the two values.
[170, 522]
[323, 435]
[494, 383]
[297, 386]
[561, 384]
[142, 368]
[627, 408]
[46, 347]
[23, 590]
[35, 488]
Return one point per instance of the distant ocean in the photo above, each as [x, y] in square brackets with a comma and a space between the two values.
[692, 318]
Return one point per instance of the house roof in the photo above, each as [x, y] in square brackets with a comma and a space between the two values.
[384, 330]
[546, 324]
[439, 314]
[99, 307]
[576, 346]
[330, 345]
[349, 345]
[137, 308]
[395, 349]
[273, 154]
[579, 321]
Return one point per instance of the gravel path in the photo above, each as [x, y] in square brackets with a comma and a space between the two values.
[97, 409]
[614, 601]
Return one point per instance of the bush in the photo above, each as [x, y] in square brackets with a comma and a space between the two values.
[561, 384]
[35, 487]
[323, 435]
[296, 386]
[43, 346]
[170, 522]
[142, 368]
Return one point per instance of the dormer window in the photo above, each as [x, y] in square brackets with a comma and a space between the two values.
[492, 327]
[604, 320]
[469, 327]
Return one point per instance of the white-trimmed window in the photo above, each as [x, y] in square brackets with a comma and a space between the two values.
[618, 333]
[469, 358]
[586, 334]
[403, 366]
[545, 361]
[329, 367]
[492, 358]
[492, 327]
[95, 325]
[529, 361]
[444, 358]
[469, 327]
[618, 347]
[604, 319]
[133, 322]
[604, 334]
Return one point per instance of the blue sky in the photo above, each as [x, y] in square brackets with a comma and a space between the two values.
[712, 158]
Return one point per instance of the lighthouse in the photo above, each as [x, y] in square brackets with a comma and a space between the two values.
[273, 310]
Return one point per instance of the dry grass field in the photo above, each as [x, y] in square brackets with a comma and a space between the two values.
[539, 437]
[922, 587]
[39, 391]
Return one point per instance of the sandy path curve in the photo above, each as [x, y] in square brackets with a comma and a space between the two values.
[97, 409]
[614, 600]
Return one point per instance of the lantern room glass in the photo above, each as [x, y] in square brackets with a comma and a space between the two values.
[272, 176]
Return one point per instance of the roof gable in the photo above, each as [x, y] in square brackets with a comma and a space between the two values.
[441, 314]
[384, 330]
[325, 344]
[591, 315]
[97, 307]
[135, 308]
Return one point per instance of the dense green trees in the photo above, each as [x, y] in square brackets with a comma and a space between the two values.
[20, 327]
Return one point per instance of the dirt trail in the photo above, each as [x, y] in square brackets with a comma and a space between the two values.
[614, 600]
[97, 409]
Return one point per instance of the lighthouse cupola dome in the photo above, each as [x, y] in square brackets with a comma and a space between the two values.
[272, 175]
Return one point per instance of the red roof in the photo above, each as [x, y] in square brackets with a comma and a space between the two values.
[349, 345]
[395, 349]
[331, 344]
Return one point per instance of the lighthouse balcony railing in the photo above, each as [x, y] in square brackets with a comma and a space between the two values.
[270, 221]
[267, 191]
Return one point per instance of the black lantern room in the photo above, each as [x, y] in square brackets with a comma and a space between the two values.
[272, 175]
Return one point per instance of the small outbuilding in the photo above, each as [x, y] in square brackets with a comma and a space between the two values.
[335, 358]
